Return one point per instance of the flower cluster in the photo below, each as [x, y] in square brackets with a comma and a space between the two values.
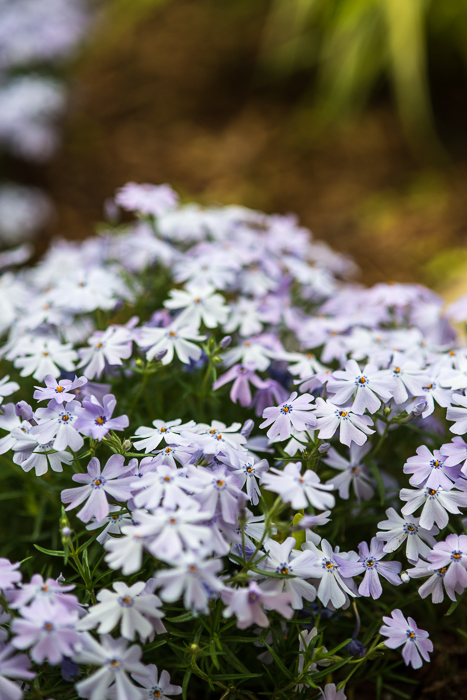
[136, 365]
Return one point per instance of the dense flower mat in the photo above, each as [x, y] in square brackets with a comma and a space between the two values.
[224, 460]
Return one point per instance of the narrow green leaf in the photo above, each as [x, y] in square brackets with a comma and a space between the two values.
[186, 680]
[50, 552]
[181, 618]
[452, 607]
[278, 661]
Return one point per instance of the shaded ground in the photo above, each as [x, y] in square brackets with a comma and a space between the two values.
[177, 99]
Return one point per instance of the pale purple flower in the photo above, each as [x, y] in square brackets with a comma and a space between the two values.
[428, 468]
[97, 486]
[128, 607]
[155, 686]
[400, 631]
[436, 504]
[95, 419]
[283, 559]
[458, 414]
[249, 603]
[353, 427]
[297, 489]
[270, 393]
[192, 577]
[45, 357]
[16, 668]
[60, 391]
[353, 472]
[408, 378]
[292, 413]
[32, 453]
[370, 563]
[146, 199]
[366, 386]
[50, 590]
[50, 629]
[432, 391]
[241, 376]
[398, 530]
[455, 453]
[8, 574]
[126, 552]
[452, 553]
[116, 661]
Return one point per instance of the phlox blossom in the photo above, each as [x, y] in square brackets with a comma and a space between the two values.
[157, 686]
[401, 631]
[294, 413]
[300, 490]
[451, 555]
[368, 386]
[7, 388]
[146, 199]
[241, 377]
[248, 605]
[370, 563]
[397, 530]
[174, 338]
[60, 391]
[437, 503]
[353, 427]
[13, 667]
[97, 485]
[95, 419]
[190, 576]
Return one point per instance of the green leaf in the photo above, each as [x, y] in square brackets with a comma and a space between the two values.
[452, 607]
[50, 552]
[186, 680]
[278, 661]
[181, 618]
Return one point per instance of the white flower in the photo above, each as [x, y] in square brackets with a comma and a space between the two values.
[400, 529]
[128, 606]
[107, 347]
[112, 524]
[248, 471]
[125, 553]
[283, 559]
[300, 490]
[116, 661]
[353, 428]
[366, 386]
[173, 338]
[7, 388]
[293, 413]
[56, 421]
[168, 431]
[155, 687]
[199, 304]
[193, 577]
[436, 504]
[250, 353]
[245, 315]
[333, 588]
[458, 414]
[45, 357]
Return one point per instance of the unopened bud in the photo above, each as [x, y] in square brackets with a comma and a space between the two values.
[127, 445]
[225, 342]
[66, 532]
[194, 648]
[324, 447]
[386, 411]
[159, 355]
[23, 410]
[247, 428]
[405, 577]
[419, 408]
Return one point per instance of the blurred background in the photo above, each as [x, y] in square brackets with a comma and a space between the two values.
[351, 113]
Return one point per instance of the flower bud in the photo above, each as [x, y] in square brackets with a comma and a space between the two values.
[66, 532]
[386, 411]
[419, 408]
[324, 447]
[127, 445]
[247, 428]
[159, 355]
[225, 342]
[405, 577]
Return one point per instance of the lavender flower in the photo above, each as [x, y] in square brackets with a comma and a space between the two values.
[59, 391]
[366, 385]
[98, 485]
[452, 556]
[353, 427]
[13, 668]
[241, 376]
[400, 631]
[437, 503]
[95, 419]
[155, 686]
[248, 603]
[399, 530]
[428, 468]
[370, 563]
[50, 629]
